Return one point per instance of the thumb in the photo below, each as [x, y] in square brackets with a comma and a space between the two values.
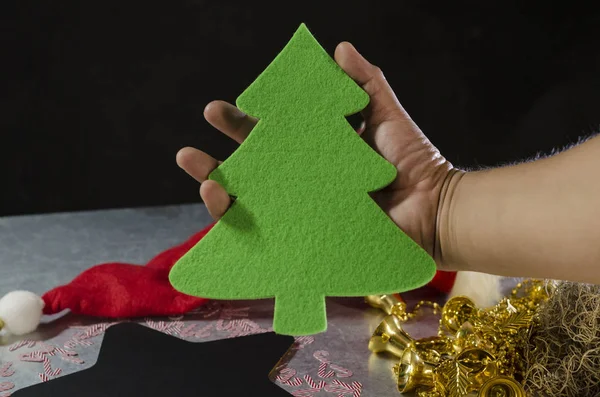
[384, 106]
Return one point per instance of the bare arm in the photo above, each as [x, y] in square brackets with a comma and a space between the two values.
[537, 219]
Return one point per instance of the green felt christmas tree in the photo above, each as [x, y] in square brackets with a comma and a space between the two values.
[302, 226]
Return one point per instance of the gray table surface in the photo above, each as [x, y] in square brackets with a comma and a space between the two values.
[40, 252]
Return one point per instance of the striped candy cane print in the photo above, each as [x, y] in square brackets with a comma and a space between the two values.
[6, 370]
[314, 388]
[325, 363]
[343, 389]
[287, 376]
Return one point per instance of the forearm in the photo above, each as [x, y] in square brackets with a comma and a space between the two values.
[536, 219]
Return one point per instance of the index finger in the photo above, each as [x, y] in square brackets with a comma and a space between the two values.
[384, 105]
[229, 120]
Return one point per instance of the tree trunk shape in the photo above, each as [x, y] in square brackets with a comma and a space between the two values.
[306, 306]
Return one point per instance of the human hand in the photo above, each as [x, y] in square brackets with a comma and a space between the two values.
[411, 201]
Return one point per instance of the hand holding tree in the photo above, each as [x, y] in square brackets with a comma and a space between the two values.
[411, 200]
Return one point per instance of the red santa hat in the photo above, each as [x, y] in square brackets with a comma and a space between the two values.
[122, 290]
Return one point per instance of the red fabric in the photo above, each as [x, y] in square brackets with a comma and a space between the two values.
[443, 281]
[121, 290]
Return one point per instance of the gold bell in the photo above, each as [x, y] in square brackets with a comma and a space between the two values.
[457, 311]
[414, 372]
[390, 304]
[468, 337]
[482, 366]
[390, 337]
[501, 386]
[465, 336]
[432, 349]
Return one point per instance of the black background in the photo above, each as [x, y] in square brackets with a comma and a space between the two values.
[97, 97]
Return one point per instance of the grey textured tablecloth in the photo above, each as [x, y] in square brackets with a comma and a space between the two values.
[40, 252]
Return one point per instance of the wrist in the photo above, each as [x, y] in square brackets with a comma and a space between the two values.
[444, 244]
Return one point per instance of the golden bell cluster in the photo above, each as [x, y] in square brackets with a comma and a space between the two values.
[390, 304]
[477, 351]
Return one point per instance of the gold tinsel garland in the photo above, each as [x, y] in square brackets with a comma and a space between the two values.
[478, 351]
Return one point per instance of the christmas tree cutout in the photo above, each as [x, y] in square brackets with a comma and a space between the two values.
[302, 226]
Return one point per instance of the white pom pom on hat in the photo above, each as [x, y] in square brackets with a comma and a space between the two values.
[20, 312]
